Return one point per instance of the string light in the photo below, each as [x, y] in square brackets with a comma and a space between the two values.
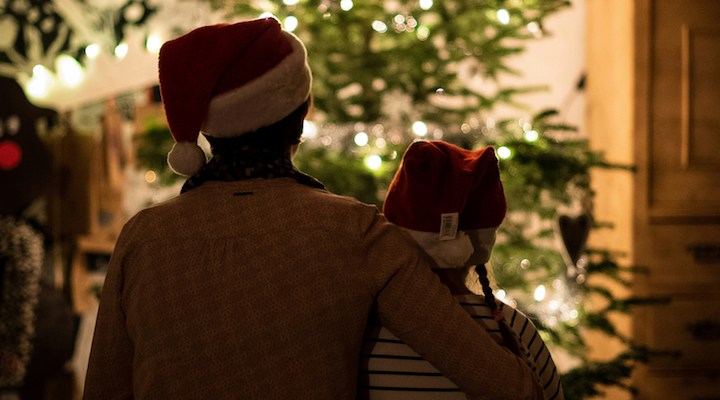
[361, 139]
[373, 161]
[503, 16]
[531, 135]
[69, 69]
[290, 2]
[92, 51]
[121, 50]
[346, 5]
[534, 28]
[39, 84]
[426, 4]
[539, 293]
[153, 43]
[504, 152]
[290, 24]
[423, 32]
[379, 26]
[150, 176]
[419, 128]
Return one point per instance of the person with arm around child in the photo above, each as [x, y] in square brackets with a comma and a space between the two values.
[256, 282]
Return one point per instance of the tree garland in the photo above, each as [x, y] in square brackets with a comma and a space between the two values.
[21, 257]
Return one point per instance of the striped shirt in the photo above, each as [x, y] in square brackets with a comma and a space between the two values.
[390, 369]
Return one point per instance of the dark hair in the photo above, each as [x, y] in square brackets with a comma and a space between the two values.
[278, 137]
[510, 338]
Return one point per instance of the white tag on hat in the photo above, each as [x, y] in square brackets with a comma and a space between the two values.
[449, 225]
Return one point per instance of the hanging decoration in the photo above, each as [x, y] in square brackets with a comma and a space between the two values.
[47, 44]
[574, 232]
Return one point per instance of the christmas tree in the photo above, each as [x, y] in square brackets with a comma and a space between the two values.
[389, 72]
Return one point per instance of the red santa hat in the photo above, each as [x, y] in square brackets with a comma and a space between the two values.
[441, 192]
[227, 80]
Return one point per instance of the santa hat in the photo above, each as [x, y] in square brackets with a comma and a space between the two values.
[227, 80]
[440, 193]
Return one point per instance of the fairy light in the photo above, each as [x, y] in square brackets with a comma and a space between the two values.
[534, 28]
[503, 16]
[267, 14]
[150, 176]
[373, 161]
[92, 51]
[532, 135]
[504, 152]
[423, 32]
[291, 23]
[379, 26]
[290, 2]
[69, 70]
[419, 128]
[346, 5]
[501, 294]
[380, 143]
[153, 43]
[361, 139]
[540, 293]
[426, 4]
[121, 50]
[39, 84]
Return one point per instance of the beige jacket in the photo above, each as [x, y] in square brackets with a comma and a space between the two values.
[261, 289]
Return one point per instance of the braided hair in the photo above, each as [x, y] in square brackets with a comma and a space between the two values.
[510, 339]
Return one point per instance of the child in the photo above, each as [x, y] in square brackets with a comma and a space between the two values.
[451, 201]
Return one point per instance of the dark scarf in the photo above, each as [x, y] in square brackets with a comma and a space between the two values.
[246, 162]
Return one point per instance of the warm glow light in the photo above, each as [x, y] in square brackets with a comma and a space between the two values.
[540, 293]
[121, 50]
[419, 128]
[92, 51]
[426, 4]
[290, 2]
[309, 130]
[290, 23]
[423, 32]
[39, 84]
[153, 43]
[267, 14]
[346, 5]
[150, 176]
[504, 152]
[69, 70]
[503, 16]
[379, 26]
[531, 135]
[361, 139]
[373, 161]
[380, 143]
[500, 294]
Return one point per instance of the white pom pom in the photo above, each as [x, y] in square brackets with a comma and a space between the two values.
[186, 158]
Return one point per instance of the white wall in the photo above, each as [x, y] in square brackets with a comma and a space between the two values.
[557, 61]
